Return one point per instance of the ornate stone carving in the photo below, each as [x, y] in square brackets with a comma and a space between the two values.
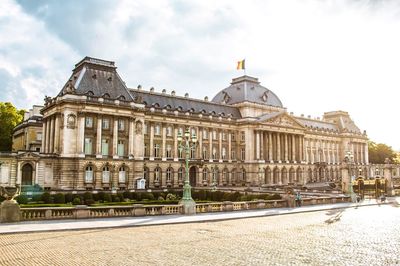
[139, 127]
[283, 121]
[71, 121]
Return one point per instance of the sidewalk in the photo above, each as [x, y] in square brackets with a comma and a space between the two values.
[96, 223]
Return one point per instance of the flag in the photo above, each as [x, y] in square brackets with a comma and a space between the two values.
[240, 65]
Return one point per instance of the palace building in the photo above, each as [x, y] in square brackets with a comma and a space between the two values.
[99, 134]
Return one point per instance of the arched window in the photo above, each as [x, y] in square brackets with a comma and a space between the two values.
[106, 175]
[89, 174]
[122, 175]
[170, 174]
[233, 175]
[122, 97]
[243, 175]
[215, 176]
[181, 172]
[205, 174]
[157, 174]
[225, 176]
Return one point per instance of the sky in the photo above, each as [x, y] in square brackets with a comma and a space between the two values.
[316, 56]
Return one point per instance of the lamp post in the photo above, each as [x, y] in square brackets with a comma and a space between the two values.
[187, 143]
[349, 159]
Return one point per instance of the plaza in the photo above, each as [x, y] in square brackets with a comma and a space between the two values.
[366, 235]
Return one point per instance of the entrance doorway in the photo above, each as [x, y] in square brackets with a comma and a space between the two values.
[192, 176]
[27, 175]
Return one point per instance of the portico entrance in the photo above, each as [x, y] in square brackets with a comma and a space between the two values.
[27, 171]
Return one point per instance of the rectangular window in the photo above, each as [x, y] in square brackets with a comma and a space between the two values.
[214, 134]
[39, 136]
[223, 153]
[88, 146]
[169, 131]
[146, 150]
[233, 155]
[104, 147]
[169, 151]
[205, 156]
[120, 150]
[233, 136]
[121, 125]
[105, 123]
[223, 136]
[145, 128]
[121, 176]
[156, 150]
[242, 136]
[180, 131]
[89, 122]
[106, 176]
[205, 134]
[89, 176]
[243, 154]
[157, 130]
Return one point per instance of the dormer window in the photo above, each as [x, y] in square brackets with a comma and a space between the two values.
[106, 96]
[264, 97]
[122, 97]
[90, 93]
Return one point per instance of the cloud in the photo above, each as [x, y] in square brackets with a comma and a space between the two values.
[316, 56]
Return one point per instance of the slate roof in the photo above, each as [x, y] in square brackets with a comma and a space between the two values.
[97, 78]
[317, 124]
[161, 100]
[248, 89]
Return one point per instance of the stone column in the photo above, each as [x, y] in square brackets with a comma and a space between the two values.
[47, 147]
[278, 147]
[164, 141]
[81, 135]
[175, 155]
[312, 151]
[98, 137]
[57, 134]
[131, 138]
[18, 173]
[200, 138]
[257, 145]
[286, 148]
[366, 158]
[151, 148]
[270, 153]
[294, 159]
[115, 139]
[229, 145]
[210, 140]
[43, 149]
[262, 145]
[362, 153]
[36, 174]
[220, 145]
[51, 149]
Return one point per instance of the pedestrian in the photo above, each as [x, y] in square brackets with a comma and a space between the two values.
[298, 199]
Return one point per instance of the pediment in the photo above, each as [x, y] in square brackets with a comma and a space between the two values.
[281, 120]
[28, 154]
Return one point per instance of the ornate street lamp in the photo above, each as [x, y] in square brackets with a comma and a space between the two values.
[187, 143]
[349, 159]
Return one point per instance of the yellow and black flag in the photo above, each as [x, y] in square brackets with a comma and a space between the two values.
[240, 65]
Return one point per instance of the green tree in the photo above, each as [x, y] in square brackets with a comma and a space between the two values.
[9, 118]
[378, 152]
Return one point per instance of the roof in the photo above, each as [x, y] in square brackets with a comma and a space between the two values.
[162, 100]
[317, 124]
[98, 78]
[247, 89]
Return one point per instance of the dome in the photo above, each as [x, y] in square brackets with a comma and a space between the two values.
[247, 89]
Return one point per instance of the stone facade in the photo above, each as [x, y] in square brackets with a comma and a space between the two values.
[99, 134]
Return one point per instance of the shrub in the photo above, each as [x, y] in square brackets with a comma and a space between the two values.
[22, 199]
[69, 197]
[37, 197]
[170, 197]
[127, 195]
[59, 198]
[120, 196]
[160, 198]
[87, 195]
[148, 196]
[2, 198]
[89, 202]
[116, 199]
[100, 196]
[46, 197]
[76, 201]
[107, 197]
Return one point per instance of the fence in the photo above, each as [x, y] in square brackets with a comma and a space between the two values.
[83, 211]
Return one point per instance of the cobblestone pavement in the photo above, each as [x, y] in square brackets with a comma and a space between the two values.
[354, 236]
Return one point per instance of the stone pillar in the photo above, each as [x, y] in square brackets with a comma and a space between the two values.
[47, 137]
[18, 173]
[270, 153]
[115, 139]
[294, 159]
[175, 143]
[164, 141]
[81, 135]
[387, 173]
[262, 145]
[278, 147]
[98, 137]
[220, 145]
[346, 178]
[257, 145]
[51, 149]
[43, 149]
[151, 148]
[229, 145]
[210, 140]
[200, 138]
[286, 148]
[130, 139]
[36, 174]
[366, 158]
[362, 153]
[57, 134]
